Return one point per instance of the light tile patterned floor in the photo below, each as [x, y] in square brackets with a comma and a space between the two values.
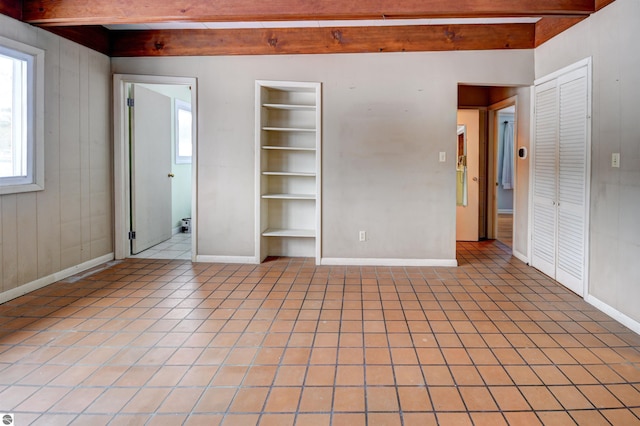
[491, 342]
[178, 247]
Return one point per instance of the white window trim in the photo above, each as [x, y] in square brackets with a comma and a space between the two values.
[181, 105]
[35, 121]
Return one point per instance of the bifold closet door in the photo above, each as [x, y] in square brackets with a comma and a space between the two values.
[545, 181]
[572, 179]
[560, 178]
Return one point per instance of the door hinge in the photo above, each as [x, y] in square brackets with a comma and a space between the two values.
[130, 102]
[132, 235]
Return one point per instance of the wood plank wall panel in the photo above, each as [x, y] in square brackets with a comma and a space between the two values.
[9, 242]
[48, 231]
[49, 218]
[101, 180]
[70, 178]
[27, 247]
[322, 40]
[85, 163]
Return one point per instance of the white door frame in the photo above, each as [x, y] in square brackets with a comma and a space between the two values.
[492, 172]
[121, 157]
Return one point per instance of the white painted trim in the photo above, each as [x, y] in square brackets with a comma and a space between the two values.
[55, 277]
[505, 211]
[613, 313]
[337, 261]
[121, 156]
[520, 256]
[586, 62]
[227, 259]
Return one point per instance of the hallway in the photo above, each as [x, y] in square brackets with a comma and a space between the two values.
[148, 341]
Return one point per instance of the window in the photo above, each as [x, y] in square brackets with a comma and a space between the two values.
[21, 134]
[183, 132]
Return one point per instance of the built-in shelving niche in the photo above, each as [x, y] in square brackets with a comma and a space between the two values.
[288, 154]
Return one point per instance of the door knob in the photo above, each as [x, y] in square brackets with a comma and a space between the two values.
[171, 175]
[475, 179]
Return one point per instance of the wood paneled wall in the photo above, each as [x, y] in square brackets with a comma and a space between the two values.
[70, 222]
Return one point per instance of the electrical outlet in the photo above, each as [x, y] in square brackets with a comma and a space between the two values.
[443, 157]
[363, 236]
[615, 160]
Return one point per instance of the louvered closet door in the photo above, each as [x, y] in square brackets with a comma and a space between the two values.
[572, 179]
[545, 170]
[560, 178]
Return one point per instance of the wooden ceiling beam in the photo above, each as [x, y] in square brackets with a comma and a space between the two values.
[91, 12]
[91, 36]
[12, 8]
[547, 28]
[321, 40]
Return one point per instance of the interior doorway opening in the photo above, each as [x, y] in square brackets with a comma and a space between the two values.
[504, 173]
[155, 167]
[503, 185]
[160, 145]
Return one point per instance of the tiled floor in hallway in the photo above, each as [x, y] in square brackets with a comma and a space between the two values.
[491, 342]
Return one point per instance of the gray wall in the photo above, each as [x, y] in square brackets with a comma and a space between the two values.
[611, 37]
[70, 222]
[385, 118]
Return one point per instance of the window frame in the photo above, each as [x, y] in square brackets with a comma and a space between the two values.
[185, 106]
[34, 57]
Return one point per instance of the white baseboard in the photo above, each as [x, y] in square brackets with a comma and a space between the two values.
[505, 211]
[227, 259]
[613, 313]
[50, 279]
[337, 261]
[520, 256]
[176, 230]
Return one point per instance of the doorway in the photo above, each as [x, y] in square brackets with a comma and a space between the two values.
[504, 173]
[155, 167]
[468, 175]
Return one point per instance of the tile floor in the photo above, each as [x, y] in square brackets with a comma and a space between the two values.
[178, 247]
[153, 342]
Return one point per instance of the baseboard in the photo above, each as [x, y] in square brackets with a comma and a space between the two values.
[520, 256]
[505, 211]
[338, 261]
[50, 279]
[176, 230]
[227, 259]
[613, 313]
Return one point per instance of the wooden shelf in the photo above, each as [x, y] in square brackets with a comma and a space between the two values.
[296, 233]
[291, 107]
[287, 148]
[289, 196]
[289, 129]
[301, 174]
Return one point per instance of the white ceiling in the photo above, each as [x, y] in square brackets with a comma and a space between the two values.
[309, 24]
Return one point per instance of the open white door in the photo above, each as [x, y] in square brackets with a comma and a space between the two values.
[467, 216]
[150, 168]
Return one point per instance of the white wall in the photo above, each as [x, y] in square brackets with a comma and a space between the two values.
[611, 38]
[70, 222]
[385, 118]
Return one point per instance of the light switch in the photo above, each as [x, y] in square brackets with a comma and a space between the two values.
[443, 157]
[615, 159]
